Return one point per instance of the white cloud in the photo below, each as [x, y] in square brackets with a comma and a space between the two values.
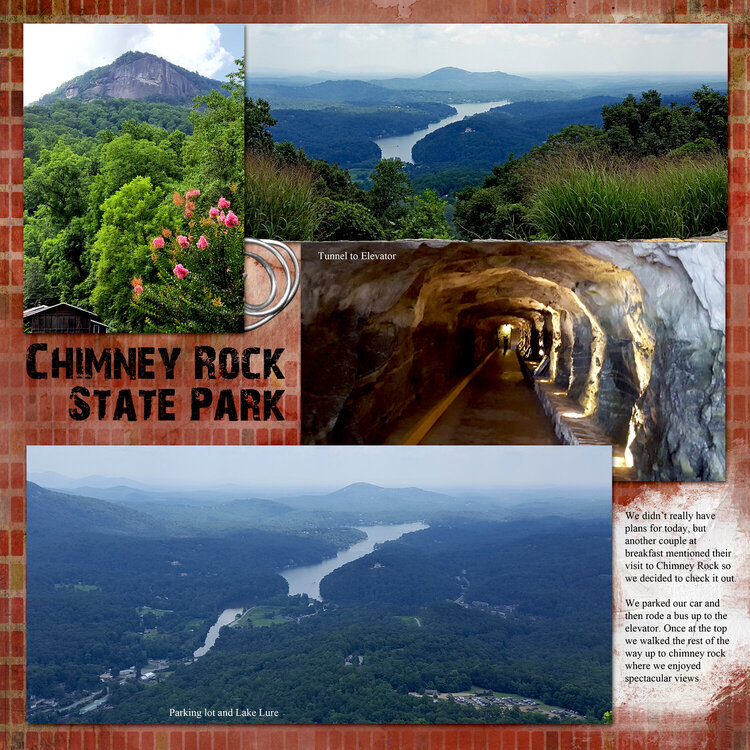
[55, 53]
[359, 49]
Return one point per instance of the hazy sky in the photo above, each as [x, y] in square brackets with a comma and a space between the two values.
[55, 53]
[350, 49]
[331, 467]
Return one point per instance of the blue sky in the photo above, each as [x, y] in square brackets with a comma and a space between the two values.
[357, 49]
[473, 468]
[55, 53]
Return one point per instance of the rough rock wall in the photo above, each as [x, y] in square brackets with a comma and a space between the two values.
[680, 417]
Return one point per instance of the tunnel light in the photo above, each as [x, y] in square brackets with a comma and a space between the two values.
[598, 347]
[643, 355]
[636, 421]
[574, 414]
[556, 340]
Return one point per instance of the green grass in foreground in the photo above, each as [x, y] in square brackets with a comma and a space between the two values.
[609, 202]
[281, 201]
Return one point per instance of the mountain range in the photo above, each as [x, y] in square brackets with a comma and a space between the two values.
[127, 511]
[451, 85]
[445, 85]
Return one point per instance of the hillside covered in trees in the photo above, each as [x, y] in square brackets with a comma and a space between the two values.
[132, 208]
[599, 167]
[491, 599]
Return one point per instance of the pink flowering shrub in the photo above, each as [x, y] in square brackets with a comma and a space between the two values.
[199, 283]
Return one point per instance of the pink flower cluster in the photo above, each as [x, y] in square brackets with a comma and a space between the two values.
[180, 271]
[229, 219]
[190, 205]
[217, 212]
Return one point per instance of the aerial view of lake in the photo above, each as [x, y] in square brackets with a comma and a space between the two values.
[400, 146]
[306, 579]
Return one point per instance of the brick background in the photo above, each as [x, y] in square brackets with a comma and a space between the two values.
[34, 412]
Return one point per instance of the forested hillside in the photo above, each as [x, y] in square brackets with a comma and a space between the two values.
[481, 600]
[133, 208]
[598, 168]
[346, 136]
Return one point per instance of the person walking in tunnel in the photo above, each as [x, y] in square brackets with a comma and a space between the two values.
[506, 344]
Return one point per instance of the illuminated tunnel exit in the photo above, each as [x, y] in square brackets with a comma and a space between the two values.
[520, 343]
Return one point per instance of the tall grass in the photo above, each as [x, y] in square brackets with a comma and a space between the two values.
[610, 199]
[280, 200]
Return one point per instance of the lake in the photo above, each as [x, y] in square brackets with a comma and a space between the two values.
[306, 579]
[227, 616]
[400, 146]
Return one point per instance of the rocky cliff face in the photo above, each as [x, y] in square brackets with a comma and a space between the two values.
[136, 75]
[634, 332]
[678, 424]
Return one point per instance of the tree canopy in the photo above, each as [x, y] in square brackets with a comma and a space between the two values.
[100, 181]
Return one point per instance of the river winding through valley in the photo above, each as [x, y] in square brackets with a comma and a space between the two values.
[400, 146]
[305, 579]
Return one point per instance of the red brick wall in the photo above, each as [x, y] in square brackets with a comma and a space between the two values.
[33, 412]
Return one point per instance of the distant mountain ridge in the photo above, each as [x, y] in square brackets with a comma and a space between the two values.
[126, 511]
[50, 513]
[451, 85]
[135, 75]
[448, 77]
[444, 85]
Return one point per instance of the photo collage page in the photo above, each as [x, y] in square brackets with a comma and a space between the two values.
[375, 317]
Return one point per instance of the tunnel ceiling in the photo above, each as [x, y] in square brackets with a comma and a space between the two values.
[435, 282]
[464, 274]
[494, 291]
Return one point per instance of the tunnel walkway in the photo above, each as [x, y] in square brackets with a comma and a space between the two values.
[495, 408]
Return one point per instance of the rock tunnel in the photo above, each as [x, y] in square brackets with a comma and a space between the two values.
[619, 343]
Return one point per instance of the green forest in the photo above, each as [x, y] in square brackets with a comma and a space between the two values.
[112, 587]
[597, 168]
[133, 209]
[346, 136]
